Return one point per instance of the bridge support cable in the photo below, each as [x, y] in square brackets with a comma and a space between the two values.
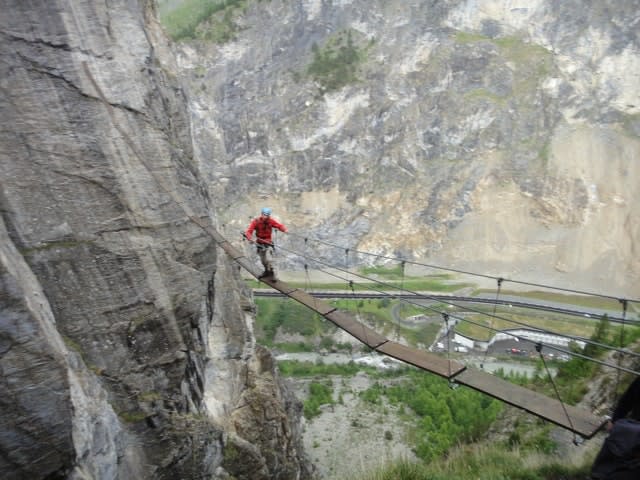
[353, 292]
[308, 281]
[306, 268]
[495, 305]
[447, 326]
[358, 315]
[419, 296]
[474, 274]
[555, 389]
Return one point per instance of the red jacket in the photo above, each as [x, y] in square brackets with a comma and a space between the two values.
[263, 227]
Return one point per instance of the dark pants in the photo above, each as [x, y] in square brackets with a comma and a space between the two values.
[619, 457]
[265, 252]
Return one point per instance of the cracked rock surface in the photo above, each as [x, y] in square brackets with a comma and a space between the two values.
[126, 346]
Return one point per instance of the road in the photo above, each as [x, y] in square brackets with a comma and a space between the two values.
[513, 301]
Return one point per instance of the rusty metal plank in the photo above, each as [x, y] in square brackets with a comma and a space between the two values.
[358, 330]
[582, 422]
[313, 303]
[421, 359]
[280, 286]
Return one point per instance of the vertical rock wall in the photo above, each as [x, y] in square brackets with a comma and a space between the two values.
[125, 349]
[497, 137]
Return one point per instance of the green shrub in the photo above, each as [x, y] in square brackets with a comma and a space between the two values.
[183, 22]
[336, 63]
[319, 394]
[289, 315]
[445, 416]
[292, 368]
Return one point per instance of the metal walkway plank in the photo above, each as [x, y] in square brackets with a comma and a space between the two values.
[279, 285]
[300, 296]
[421, 359]
[582, 422]
[356, 329]
[312, 302]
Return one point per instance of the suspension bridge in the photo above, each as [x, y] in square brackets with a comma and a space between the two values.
[577, 420]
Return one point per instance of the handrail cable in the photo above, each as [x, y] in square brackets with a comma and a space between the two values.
[480, 312]
[445, 317]
[519, 337]
[308, 278]
[350, 284]
[358, 315]
[495, 306]
[510, 334]
[422, 295]
[513, 335]
[492, 277]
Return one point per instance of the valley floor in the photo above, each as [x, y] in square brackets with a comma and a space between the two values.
[351, 437]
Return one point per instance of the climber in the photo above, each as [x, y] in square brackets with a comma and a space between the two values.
[263, 225]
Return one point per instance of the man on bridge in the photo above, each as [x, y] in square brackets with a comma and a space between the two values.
[263, 226]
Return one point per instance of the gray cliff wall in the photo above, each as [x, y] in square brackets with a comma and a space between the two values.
[126, 346]
[496, 137]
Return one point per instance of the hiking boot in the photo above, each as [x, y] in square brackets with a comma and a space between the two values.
[267, 274]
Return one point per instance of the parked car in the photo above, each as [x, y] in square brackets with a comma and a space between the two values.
[516, 351]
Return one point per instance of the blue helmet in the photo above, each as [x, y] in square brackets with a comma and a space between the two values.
[266, 211]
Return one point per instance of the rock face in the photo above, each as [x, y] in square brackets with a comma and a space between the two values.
[496, 137]
[126, 344]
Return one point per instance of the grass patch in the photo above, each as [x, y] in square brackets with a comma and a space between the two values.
[377, 310]
[484, 326]
[293, 347]
[336, 64]
[320, 393]
[132, 417]
[51, 245]
[516, 50]
[293, 368]
[415, 284]
[195, 19]
[397, 272]
[425, 335]
[290, 316]
[467, 37]
[444, 416]
[483, 93]
[483, 462]
[580, 300]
